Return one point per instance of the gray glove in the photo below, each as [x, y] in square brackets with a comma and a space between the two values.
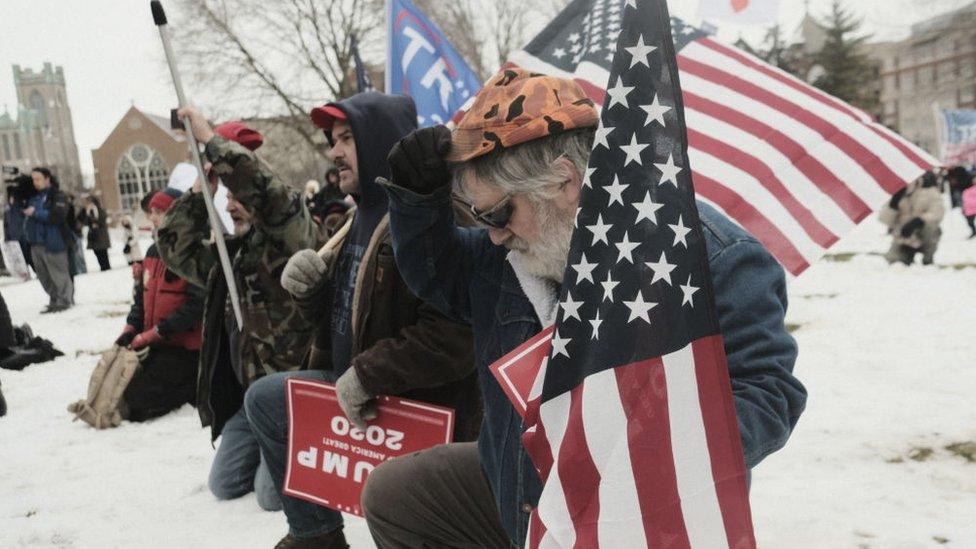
[306, 273]
[358, 405]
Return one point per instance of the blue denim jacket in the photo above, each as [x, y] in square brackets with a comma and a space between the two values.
[463, 274]
[44, 228]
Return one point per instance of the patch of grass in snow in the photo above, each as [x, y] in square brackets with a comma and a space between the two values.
[30, 513]
[793, 327]
[958, 266]
[112, 314]
[818, 296]
[965, 450]
[940, 540]
[840, 257]
[921, 453]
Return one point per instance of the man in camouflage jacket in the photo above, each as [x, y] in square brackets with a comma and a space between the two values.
[271, 223]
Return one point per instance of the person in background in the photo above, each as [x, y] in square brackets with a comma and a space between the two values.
[19, 194]
[913, 216]
[331, 190]
[130, 238]
[164, 328]
[271, 223]
[49, 239]
[960, 183]
[93, 216]
[77, 264]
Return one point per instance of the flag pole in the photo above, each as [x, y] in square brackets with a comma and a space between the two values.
[387, 78]
[159, 18]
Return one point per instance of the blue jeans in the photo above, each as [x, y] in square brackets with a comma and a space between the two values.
[238, 468]
[266, 409]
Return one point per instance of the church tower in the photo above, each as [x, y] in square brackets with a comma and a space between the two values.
[43, 107]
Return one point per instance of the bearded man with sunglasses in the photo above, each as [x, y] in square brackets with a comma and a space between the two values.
[518, 161]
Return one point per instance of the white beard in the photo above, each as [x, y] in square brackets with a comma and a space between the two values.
[547, 257]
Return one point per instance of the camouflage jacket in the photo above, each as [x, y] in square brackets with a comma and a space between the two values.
[276, 336]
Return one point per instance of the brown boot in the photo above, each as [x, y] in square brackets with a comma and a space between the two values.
[330, 540]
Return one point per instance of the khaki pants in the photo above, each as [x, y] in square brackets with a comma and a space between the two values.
[52, 271]
[435, 498]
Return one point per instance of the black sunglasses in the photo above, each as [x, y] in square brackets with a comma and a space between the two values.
[496, 216]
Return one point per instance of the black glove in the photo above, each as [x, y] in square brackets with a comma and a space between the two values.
[896, 198]
[126, 249]
[125, 339]
[913, 225]
[417, 161]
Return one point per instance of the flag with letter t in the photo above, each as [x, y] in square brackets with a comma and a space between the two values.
[421, 63]
[635, 434]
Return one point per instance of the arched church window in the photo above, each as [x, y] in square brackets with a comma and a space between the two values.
[140, 170]
[36, 102]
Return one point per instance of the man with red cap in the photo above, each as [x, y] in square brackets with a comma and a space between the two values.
[271, 223]
[163, 327]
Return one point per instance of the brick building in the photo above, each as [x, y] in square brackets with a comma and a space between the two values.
[136, 157]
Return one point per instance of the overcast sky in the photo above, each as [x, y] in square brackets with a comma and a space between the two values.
[112, 55]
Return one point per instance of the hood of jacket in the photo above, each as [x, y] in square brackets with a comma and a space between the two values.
[378, 121]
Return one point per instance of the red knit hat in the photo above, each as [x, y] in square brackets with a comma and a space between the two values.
[239, 132]
[164, 199]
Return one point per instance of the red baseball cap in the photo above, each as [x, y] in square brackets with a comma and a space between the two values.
[240, 133]
[325, 116]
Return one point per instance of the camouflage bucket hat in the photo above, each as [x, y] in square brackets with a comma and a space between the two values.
[517, 106]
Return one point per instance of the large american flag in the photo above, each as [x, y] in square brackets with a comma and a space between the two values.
[794, 166]
[634, 433]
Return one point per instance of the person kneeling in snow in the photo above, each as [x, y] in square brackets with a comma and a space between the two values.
[164, 328]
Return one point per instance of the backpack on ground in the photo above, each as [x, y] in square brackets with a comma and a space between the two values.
[103, 407]
[27, 349]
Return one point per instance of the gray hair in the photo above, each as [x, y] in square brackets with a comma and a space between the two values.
[525, 169]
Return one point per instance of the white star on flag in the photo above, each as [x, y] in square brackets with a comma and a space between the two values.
[680, 233]
[608, 285]
[647, 209]
[596, 325]
[616, 191]
[571, 308]
[618, 94]
[640, 53]
[584, 270]
[638, 309]
[559, 345]
[655, 112]
[634, 151]
[586, 179]
[559, 53]
[626, 249]
[688, 290]
[601, 136]
[662, 269]
[632, 4]
[669, 171]
[600, 231]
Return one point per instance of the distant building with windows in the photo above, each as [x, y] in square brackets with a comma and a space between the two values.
[40, 132]
[933, 68]
[136, 157]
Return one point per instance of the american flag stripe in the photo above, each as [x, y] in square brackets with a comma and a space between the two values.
[553, 509]
[770, 162]
[811, 145]
[579, 476]
[904, 147]
[863, 145]
[714, 397]
[649, 442]
[604, 418]
[801, 167]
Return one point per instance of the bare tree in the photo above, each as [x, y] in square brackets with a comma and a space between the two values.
[485, 32]
[262, 59]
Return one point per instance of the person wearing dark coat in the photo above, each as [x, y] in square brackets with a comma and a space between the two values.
[164, 326]
[50, 239]
[94, 217]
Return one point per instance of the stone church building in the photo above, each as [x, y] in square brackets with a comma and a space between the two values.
[40, 132]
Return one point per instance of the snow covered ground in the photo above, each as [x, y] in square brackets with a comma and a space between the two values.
[886, 353]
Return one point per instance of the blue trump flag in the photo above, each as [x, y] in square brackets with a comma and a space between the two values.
[958, 136]
[424, 65]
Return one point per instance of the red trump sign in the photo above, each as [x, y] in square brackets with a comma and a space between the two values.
[329, 458]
